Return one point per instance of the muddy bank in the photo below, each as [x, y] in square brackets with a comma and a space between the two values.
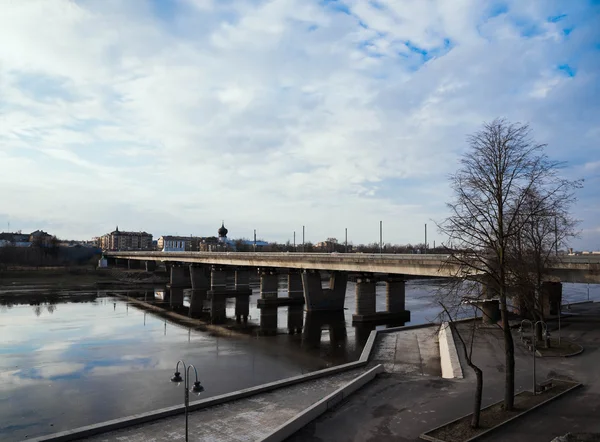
[76, 277]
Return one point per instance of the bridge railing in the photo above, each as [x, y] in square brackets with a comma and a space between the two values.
[299, 255]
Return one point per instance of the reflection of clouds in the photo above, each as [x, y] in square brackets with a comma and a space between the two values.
[59, 369]
[55, 346]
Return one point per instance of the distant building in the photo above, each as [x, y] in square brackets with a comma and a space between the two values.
[121, 240]
[17, 239]
[40, 238]
[170, 243]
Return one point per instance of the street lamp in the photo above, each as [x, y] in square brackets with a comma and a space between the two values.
[197, 388]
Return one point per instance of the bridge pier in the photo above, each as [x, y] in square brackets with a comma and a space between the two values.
[199, 278]
[334, 322]
[268, 320]
[269, 283]
[295, 289]
[395, 294]
[179, 277]
[218, 278]
[395, 297]
[150, 266]
[317, 298]
[365, 297]
[295, 319]
[176, 297]
[242, 278]
[134, 264]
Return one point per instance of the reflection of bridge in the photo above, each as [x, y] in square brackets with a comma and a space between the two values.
[207, 273]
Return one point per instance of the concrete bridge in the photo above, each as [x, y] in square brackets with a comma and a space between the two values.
[206, 273]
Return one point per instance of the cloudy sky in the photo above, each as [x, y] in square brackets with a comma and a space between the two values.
[171, 115]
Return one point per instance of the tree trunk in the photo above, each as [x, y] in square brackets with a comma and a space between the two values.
[509, 360]
[478, 395]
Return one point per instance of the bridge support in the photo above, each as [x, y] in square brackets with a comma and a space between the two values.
[269, 283]
[295, 289]
[295, 319]
[134, 264]
[150, 266]
[218, 278]
[395, 294]
[200, 284]
[242, 279]
[199, 278]
[317, 298]
[268, 320]
[179, 277]
[366, 297]
[334, 322]
[551, 298]
[176, 297]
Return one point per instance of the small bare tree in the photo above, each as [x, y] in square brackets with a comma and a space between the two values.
[498, 172]
[458, 294]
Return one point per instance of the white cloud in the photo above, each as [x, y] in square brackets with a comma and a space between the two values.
[271, 115]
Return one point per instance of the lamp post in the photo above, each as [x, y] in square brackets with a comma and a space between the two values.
[197, 388]
[533, 339]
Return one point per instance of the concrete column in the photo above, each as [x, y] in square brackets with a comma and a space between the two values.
[269, 284]
[199, 278]
[268, 320]
[242, 279]
[295, 318]
[197, 299]
[338, 282]
[179, 277]
[134, 264]
[176, 297]
[217, 309]
[218, 278]
[242, 308]
[150, 266]
[490, 310]
[551, 294]
[295, 289]
[313, 289]
[395, 294]
[365, 296]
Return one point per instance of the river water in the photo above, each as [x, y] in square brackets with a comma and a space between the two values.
[73, 358]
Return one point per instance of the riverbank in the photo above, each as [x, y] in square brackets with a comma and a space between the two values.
[24, 278]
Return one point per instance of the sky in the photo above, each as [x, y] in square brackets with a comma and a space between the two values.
[170, 116]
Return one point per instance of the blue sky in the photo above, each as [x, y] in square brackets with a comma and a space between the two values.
[171, 115]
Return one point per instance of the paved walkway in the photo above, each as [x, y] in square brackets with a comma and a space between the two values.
[399, 405]
[248, 419]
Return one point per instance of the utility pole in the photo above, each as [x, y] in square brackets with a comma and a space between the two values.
[380, 237]
[302, 239]
[425, 238]
[294, 240]
[346, 246]
[254, 240]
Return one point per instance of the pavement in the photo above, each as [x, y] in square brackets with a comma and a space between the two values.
[401, 404]
[247, 419]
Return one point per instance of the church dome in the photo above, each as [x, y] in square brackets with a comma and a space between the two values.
[222, 231]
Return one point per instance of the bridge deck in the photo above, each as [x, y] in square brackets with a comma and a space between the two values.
[248, 419]
[583, 268]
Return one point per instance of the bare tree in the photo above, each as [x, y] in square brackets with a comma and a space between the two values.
[502, 165]
[548, 227]
[457, 294]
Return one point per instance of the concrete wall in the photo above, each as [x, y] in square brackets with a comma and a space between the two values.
[449, 359]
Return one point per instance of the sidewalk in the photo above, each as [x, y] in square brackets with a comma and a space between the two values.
[248, 419]
[400, 405]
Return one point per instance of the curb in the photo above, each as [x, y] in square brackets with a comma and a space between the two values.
[451, 368]
[425, 436]
[308, 415]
